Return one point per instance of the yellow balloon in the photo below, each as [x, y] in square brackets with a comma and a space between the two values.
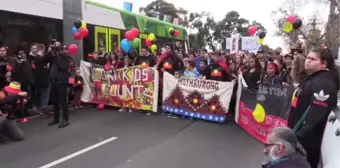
[83, 24]
[259, 113]
[287, 27]
[261, 41]
[151, 36]
[153, 47]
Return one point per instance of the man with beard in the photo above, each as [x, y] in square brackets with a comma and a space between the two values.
[282, 150]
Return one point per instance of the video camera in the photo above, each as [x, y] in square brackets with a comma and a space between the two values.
[56, 49]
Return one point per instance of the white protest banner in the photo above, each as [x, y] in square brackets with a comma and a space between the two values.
[250, 43]
[207, 100]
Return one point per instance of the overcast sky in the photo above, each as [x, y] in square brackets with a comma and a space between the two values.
[249, 9]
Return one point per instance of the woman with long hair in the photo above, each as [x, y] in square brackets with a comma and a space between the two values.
[313, 101]
[298, 71]
[114, 61]
[253, 73]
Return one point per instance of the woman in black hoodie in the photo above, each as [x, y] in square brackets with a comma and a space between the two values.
[313, 101]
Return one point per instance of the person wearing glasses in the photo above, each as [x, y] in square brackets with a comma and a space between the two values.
[283, 150]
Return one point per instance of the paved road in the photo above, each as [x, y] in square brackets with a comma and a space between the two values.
[143, 142]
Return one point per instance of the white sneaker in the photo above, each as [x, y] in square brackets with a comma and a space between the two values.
[122, 110]
[130, 111]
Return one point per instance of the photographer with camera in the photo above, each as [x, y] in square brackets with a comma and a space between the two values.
[60, 65]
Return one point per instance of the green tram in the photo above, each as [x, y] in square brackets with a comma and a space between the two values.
[110, 34]
[25, 24]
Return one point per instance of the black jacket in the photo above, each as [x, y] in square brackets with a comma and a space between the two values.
[39, 70]
[171, 64]
[22, 72]
[319, 92]
[292, 161]
[60, 67]
[3, 71]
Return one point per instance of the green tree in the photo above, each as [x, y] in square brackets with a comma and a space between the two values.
[211, 32]
[164, 8]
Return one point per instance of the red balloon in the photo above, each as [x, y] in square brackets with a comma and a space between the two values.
[148, 42]
[252, 30]
[176, 34]
[77, 36]
[135, 32]
[129, 35]
[72, 49]
[291, 19]
[84, 32]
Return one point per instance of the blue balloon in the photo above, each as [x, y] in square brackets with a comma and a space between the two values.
[125, 45]
[74, 30]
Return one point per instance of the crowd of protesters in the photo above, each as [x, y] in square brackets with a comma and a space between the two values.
[28, 80]
[313, 75]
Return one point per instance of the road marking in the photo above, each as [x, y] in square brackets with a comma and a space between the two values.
[78, 153]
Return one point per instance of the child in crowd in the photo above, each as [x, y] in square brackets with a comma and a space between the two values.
[178, 74]
[204, 70]
[190, 70]
[127, 63]
[272, 76]
[78, 89]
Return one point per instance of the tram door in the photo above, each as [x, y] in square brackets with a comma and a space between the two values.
[114, 39]
[101, 38]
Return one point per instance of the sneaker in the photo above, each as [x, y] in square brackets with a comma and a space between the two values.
[53, 122]
[64, 124]
[122, 110]
[130, 111]
[148, 114]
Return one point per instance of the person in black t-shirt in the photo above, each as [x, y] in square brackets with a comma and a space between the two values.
[146, 59]
[219, 69]
[169, 61]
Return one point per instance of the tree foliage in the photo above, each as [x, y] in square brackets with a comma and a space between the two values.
[203, 29]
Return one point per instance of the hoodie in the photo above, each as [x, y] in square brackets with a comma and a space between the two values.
[317, 97]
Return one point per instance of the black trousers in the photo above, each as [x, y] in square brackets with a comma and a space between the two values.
[59, 93]
[313, 157]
